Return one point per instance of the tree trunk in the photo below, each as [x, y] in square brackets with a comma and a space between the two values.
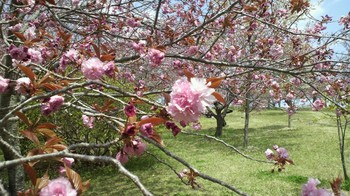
[341, 137]
[220, 123]
[289, 120]
[246, 120]
[15, 174]
[246, 127]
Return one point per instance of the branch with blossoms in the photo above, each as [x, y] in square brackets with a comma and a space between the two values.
[65, 153]
[281, 158]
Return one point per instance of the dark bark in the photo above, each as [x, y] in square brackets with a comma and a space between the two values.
[220, 123]
[341, 137]
[15, 174]
[246, 123]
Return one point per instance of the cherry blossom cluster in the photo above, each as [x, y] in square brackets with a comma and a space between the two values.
[310, 189]
[51, 104]
[189, 99]
[134, 148]
[59, 186]
[93, 68]
[281, 157]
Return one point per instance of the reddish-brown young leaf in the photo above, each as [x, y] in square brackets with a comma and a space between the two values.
[161, 48]
[30, 172]
[154, 120]
[107, 57]
[46, 79]
[30, 135]
[227, 22]
[166, 97]
[250, 8]
[47, 125]
[42, 182]
[67, 37]
[97, 50]
[336, 186]
[104, 48]
[47, 132]
[24, 118]
[35, 40]
[51, 87]
[219, 97]
[75, 179]
[34, 151]
[28, 72]
[215, 82]
[20, 36]
[85, 186]
[59, 147]
[188, 74]
[52, 141]
[156, 137]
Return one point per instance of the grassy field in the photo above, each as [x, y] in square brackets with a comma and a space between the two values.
[312, 144]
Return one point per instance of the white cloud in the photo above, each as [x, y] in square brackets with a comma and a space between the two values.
[317, 9]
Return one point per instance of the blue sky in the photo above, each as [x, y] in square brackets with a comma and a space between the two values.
[334, 8]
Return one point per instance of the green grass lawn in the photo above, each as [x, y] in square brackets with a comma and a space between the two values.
[312, 144]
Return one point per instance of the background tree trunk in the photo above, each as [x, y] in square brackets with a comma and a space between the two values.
[246, 119]
[220, 123]
[15, 174]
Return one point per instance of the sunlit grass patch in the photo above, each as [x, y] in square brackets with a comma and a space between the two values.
[311, 143]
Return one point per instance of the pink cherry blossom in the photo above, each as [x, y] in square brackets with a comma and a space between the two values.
[23, 85]
[282, 153]
[35, 56]
[155, 56]
[130, 110]
[197, 126]
[122, 157]
[174, 128]
[269, 154]
[139, 47]
[133, 22]
[345, 20]
[52, 104]
[16, 27]
[29, 34]
[135, 148]
[92, 68]
[192, 50]
[310, 189]
[19, 53]
[188, 100]
[75, 2]
[130, 130]
[109, 69]
[4, 83]
[147, 129]
[88, 121]
[58, 187]
[318, 105]
[68, 162]
[70, 56]
[296, 81]
[290, 96]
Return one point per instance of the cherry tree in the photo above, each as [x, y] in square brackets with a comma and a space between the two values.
[134, 65]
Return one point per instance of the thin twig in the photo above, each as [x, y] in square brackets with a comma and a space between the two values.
[227, 145]
[202, 175]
